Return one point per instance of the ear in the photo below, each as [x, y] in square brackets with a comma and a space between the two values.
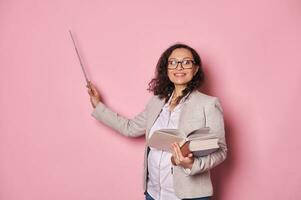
[196, 70]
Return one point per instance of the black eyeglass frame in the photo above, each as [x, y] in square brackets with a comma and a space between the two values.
[193, 63]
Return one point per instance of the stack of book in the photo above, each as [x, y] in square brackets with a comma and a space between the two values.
[198, 142]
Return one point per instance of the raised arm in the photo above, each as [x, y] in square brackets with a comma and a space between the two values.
[134, 127]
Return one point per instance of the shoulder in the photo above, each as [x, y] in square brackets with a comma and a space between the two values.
[202, 96]
[194, 96]
[154, 100]
[206, 100]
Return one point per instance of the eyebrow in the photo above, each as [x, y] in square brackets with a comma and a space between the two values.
[176, 59]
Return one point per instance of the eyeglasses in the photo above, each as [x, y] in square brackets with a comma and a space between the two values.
[186, 63]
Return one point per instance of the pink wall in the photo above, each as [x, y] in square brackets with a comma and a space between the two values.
[50, 146]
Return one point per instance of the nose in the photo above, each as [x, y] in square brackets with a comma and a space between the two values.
[181, 67]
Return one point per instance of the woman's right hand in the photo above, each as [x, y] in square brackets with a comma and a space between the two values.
[94, 95]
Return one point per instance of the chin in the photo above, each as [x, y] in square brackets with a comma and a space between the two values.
[180, 82]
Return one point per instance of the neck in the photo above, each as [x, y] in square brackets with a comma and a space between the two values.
[178, 90]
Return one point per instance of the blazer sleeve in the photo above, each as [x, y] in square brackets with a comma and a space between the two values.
[214, 120]
[134, 127]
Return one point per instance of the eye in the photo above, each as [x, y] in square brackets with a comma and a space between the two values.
[187, 62]
[173, 62]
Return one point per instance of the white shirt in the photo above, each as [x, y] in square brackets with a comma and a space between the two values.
[160, 180]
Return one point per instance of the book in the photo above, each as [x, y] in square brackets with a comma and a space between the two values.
[198, 142]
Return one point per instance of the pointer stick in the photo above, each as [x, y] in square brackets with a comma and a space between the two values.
[80, 61]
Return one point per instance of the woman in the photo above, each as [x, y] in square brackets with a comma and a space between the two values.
[176, 103]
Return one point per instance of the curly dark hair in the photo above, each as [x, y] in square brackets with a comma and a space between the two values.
[163, 87]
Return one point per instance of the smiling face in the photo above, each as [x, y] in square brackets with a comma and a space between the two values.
[180, 76]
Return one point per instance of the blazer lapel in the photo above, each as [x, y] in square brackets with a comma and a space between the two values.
[187, 112]
[154, 113]
[187, 109]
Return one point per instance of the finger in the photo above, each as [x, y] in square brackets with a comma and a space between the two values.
[88, 84]
[172, 150]
[174, 154]
[94, 90]
[190, 155]
[90, 92]
[179, 152]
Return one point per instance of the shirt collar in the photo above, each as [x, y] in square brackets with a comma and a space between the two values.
[181, 101]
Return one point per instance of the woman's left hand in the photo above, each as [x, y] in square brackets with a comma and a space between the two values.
[179, 159]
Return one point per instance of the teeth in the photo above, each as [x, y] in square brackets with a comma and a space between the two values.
[179, 74]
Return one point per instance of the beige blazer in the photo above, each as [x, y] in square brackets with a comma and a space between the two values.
[199, 110]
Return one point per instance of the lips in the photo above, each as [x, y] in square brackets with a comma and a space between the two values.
[179, 74]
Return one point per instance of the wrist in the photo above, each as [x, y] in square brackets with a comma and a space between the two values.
[94, 102]
[189, 165]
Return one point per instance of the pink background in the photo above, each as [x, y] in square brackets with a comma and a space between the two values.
[52, 148]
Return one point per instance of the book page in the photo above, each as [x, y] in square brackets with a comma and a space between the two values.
[163, 138]
[198, 134]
